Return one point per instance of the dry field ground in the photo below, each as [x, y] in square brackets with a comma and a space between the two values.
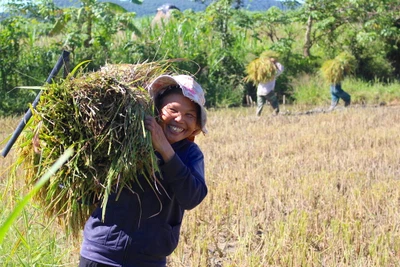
[321, 189]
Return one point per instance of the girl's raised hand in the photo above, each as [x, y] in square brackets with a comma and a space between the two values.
[160, 142]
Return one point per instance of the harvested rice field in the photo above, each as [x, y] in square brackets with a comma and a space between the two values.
[303, 189]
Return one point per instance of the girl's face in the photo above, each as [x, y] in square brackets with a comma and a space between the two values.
[178, 117]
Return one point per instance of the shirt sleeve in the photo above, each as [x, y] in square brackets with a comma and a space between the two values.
[186, 180]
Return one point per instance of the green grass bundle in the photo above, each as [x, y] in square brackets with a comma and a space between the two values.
[99, 114]
[334, 70]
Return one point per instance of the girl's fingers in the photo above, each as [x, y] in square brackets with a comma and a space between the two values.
[149, 122]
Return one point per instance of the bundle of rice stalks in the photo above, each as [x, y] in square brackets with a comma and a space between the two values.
[348, 62]
[100, 115]
[334, 70]
[260, 70]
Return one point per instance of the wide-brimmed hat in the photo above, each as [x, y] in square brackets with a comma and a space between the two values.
[190, 89]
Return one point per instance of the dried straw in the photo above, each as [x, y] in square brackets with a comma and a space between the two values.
[262, 69]
[334, 70]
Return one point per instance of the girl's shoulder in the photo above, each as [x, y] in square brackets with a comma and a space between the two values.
[187, 149]
[185, 145]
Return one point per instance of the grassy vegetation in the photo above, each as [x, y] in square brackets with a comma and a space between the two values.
[288, 190]
[218, 44]
[311, 90]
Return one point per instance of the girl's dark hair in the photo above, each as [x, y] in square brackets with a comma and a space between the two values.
[170, 90]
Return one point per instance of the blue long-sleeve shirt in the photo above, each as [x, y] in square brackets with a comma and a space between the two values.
[142, 227]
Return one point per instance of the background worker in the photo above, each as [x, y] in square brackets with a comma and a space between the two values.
[266, 91]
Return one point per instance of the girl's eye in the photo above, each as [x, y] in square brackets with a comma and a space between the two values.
[191, 116]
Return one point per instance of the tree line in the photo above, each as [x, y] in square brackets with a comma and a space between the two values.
[217, 43]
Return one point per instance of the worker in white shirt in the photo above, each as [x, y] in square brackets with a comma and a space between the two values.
[265, 91]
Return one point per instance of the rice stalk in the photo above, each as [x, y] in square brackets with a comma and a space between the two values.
[100, 115]
[262, 69]
[334, 70]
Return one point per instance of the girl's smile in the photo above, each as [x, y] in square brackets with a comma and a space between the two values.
[178, 117]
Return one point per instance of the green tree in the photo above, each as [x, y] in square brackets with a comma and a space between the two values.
[93, 12]
[91, 28]
[11, 49]
[367, 28]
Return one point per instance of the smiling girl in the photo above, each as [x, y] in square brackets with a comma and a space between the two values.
[142, 226]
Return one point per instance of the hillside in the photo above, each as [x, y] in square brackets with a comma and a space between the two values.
[149, 7]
